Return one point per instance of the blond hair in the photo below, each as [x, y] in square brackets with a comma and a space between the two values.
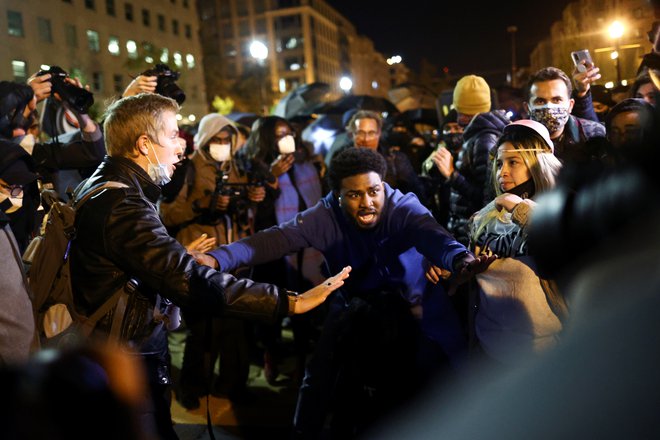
[129, 118]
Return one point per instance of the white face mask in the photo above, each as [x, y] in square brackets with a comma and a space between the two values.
[28, 142]
[158, 173]
[287, 144]
[220, 152]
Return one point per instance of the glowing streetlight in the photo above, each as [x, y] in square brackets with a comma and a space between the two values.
[346, 84]
[616, 30]
[259, 51]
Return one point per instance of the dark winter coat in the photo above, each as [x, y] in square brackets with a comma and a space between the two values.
[472, 170]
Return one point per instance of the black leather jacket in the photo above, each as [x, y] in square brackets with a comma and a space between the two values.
[120, 236]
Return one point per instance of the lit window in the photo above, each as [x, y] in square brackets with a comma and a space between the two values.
[178, 59]
[374, 85]
[131, 48]
[190, 60]
[113, 45]
[165, 55]
[19, 69]
[294, 66]
[148, 59]
[93, 41]
[15, 24]
[291, 43]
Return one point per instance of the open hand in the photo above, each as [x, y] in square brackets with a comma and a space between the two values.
[470, 269]
[201, 244]
[316, 295]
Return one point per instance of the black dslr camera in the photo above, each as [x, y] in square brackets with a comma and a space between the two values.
[166, 85]
[77, 98]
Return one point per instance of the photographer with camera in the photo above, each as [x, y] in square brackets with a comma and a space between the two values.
[161, 79]
[66, 159]
[215, 200]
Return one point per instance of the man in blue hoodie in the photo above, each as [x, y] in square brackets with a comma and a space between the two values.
[385, 236]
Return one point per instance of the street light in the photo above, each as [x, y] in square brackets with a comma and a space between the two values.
[346, 84]
[616, 30]
[259, 51]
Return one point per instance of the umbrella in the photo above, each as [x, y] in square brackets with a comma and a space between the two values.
[322, 132]
[409, 96]
[246, 119]
[302, 100]
[362, 102]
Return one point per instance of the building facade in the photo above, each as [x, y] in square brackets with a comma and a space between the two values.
[585, 24]
[105, 43]
[307, 41]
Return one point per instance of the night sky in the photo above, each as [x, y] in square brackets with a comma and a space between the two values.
[467, 36]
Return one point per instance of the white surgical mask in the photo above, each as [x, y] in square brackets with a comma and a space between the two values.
[220, 152]
[287, 144]
[158, 173]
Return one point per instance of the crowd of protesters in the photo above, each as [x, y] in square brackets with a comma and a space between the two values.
[228, 222]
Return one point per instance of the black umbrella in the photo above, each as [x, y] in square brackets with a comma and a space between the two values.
[302, 100]
[242, 118]
[361, 102]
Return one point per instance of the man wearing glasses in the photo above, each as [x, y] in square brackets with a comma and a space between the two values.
[365, 129]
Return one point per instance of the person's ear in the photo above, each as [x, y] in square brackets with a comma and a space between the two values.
[571, 103]
[526, 107]
[142, 144]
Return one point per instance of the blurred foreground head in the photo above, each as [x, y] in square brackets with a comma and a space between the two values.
[81, 393]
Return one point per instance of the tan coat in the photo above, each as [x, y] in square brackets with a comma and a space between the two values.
[184, 210]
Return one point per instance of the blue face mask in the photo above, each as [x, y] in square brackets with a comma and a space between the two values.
[158, 173]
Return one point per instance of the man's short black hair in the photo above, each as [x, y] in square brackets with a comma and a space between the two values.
[548, 74]
[354, 161]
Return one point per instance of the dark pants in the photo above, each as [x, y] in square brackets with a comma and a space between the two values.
[364, 365]
[228, 340]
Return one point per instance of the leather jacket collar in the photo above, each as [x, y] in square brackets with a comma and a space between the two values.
[125, 170]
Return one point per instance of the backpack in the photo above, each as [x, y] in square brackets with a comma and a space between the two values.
[57, 323]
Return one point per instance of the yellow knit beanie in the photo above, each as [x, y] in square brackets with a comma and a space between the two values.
[472, 95]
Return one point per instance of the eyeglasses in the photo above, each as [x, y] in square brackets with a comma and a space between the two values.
[14, 190]
[366, 134]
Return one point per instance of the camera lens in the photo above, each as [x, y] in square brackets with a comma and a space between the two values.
[167, 87]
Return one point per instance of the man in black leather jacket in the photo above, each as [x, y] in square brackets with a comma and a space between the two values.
[120, 237]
